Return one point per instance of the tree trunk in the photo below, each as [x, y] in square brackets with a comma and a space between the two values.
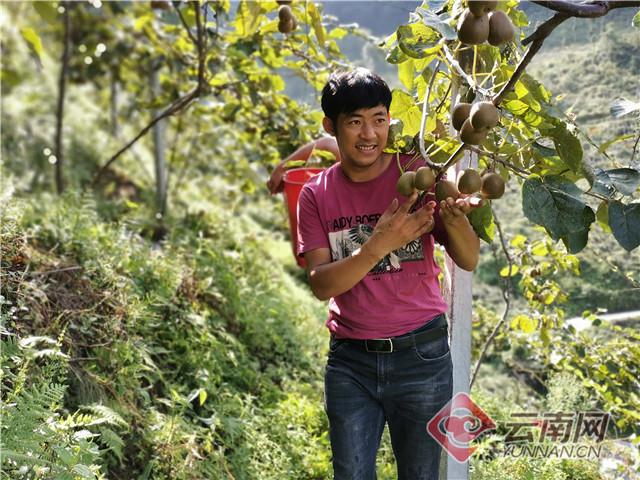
[62, 83]
[159, 148]
[113, 104]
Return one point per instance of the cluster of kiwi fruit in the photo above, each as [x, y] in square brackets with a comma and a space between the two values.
[490, 185]
[474, 121]
[481, 22]
[287, 22]
[422, 179]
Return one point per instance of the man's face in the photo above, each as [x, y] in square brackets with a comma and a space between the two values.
[361, 135]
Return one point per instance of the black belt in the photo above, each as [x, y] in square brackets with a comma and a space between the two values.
[434, 329]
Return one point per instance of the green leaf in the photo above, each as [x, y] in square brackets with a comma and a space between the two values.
[32, 38]
[624, 221]
[316, 21]
[535, 88]
[517, 107]
[555, 204]
[406, 74]
[623, 180]
[438, 23]
[417, 40]
[83, 471]
[509, 271]
[543, 150]
[338, 33]
[619, 138]
[602, 216]
[576, 241]
[568, 146]
[248, 17]
[636, 20]
[404, 109]
[396, 56]
[481, 220]
[524, 323]
[46, 11]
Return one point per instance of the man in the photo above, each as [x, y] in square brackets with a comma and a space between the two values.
[371, 255]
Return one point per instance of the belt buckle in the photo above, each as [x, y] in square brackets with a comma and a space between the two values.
[390, 343]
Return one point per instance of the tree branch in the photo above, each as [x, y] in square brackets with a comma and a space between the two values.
[177, 105]
[506, 295]
[537, 39]
[586, 9]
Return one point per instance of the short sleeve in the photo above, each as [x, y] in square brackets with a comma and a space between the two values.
[311, 234]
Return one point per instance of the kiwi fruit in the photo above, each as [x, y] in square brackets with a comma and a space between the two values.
[460, 114]
[425, 178]
[482, 7]
[492, 185]
[473, 30]
[406, 183]
[483, 115]
[500, 28]
[470, 181]
[284, 13]
[283, 2]
[287, 26]
[446, 189]
[161, 5]
[470, 135]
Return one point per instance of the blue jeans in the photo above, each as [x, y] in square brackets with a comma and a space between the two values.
[404, 388]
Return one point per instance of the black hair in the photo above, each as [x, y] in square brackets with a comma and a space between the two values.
[350, 91]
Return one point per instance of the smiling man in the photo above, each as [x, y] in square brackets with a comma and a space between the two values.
[371, 256]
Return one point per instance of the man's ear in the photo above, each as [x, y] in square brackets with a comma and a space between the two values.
[328, 126]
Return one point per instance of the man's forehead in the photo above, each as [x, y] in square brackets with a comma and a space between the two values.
[368, 112]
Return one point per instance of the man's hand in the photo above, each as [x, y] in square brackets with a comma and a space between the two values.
[397, 227]
[275, 183]
[453, 211]
[463, 245]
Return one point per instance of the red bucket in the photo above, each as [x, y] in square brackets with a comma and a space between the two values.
[294, 179]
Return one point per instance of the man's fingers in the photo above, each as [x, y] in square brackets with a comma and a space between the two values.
[391, 209]
[406, 206]
[426, 227]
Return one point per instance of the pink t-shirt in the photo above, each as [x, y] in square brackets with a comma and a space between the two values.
[402, 292]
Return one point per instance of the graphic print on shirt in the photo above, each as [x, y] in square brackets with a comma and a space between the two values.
[344, 242]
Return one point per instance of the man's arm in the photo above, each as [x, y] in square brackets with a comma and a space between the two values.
[395, 228]
[463, 245]
[275, 183]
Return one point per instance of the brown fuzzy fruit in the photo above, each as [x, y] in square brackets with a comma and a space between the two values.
[283, 2]
[470, 135]
[483, 115]
[470, 181]
[492, 185]
[500, 28]
[460, 114]
[284, 13]
[446, 189]
[473, 30]
[406, 183]
[482, 7]
[425, 178]
[287, 26]
[161, 5]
